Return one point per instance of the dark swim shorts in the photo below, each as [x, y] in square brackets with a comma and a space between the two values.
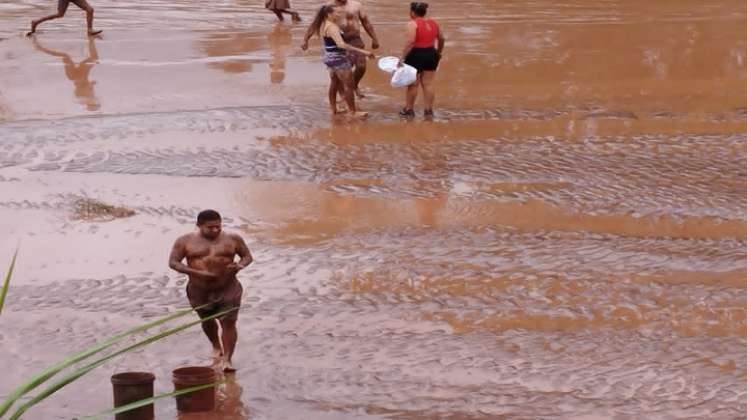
[423, 59]
[357, 42]
[63, 4]
[218, 300]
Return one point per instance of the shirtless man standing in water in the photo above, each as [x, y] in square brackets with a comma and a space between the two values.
[353, 17]
[61, 9]
[210, 255]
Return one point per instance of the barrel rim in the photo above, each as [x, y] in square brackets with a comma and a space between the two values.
[133, 378]
[194, 372]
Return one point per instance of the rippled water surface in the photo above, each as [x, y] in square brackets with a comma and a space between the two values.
[567, 239]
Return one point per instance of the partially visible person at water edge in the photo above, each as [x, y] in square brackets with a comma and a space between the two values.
[211, 268]
[352, 17]
[280, 7]
[421, 52]
[62, 6]
[336, 58]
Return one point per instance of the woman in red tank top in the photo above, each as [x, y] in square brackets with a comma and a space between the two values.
[425, 43]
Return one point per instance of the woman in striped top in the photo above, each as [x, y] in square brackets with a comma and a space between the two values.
[336, 58]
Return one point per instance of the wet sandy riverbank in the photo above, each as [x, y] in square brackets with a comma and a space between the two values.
[566, 239]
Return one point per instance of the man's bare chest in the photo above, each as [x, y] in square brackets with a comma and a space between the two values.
[199, 250]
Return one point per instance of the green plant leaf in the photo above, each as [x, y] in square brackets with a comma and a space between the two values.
[47, 373]
[56, 386]
[6, 283]
[143, 402]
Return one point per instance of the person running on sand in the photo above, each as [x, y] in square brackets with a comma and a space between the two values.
[420, 52]
[336, 58]
[353, 15]
[61, 9]
[211, 269]
[282, 6]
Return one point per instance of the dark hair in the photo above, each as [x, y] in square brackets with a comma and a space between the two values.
[420, 9]
[321, 15]
[207, 216]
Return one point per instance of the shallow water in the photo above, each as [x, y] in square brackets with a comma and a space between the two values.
[565, 240]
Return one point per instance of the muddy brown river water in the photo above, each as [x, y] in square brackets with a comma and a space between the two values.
[566, 240]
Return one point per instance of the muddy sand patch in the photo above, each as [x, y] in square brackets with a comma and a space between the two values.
[89, 209]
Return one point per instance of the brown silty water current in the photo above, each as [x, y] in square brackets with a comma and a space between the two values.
[567, 239]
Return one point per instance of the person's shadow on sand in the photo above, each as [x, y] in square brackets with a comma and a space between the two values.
[79, 73]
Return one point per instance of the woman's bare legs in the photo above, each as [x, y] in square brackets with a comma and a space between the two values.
[347, 87]
[334, 86]
[429, 94]
[294, 15]
[410, 97]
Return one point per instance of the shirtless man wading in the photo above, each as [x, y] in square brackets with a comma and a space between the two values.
[353, 17]
[210, 255]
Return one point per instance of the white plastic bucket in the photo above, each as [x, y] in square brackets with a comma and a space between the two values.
[388, 64]
[404, 76]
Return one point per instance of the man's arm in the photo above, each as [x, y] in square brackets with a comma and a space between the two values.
[178, 252]
[363, 16]
[243, 252]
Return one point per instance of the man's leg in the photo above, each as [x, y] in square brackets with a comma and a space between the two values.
[83, 4]
[359, 64]
[360, 71]
[211, 331]
[229, 335]
[61, 9]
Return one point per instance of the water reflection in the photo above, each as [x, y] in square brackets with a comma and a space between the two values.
[429, 210]
[280, 40]
[344, 204]
[79, 73]
[228, 404]
[231, 49]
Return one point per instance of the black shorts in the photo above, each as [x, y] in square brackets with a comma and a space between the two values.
[217, 300]
[423, 59]
[63, 4]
